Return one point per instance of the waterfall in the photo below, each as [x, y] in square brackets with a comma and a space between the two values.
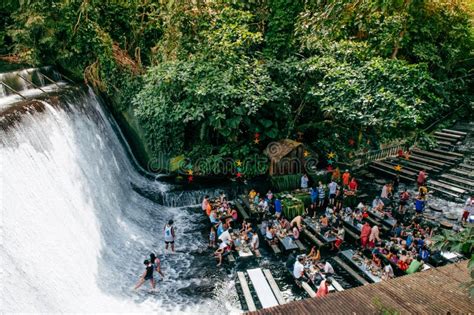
[26, 83]
[75, 232]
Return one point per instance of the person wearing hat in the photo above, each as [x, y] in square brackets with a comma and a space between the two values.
[169, 235]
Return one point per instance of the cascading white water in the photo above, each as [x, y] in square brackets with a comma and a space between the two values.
[75, 233]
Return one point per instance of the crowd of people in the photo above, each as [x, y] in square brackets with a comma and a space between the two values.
[404, 248]
[226, 232]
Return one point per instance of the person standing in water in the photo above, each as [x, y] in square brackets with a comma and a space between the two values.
[169, 235]
[155, 261]
[147, 275]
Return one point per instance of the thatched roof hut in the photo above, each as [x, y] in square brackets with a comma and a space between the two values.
[286, 157]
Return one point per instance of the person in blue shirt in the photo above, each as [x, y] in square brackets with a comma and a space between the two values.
[314, 195]
[278, 207]
[420, 242]
[409, 240]
[419, 205]
[220, 229]
[424, 253]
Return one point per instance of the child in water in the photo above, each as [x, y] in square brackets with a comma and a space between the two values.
[212, 237]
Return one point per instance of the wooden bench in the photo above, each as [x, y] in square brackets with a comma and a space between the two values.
[274, 286]
[300, 245]
[241, 210]
[275, 248]
[351, 271]
[312, 238]
[262, 288]
[308, 289]
[352, 234]
[245, 288]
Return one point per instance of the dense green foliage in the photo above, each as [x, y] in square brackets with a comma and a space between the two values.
[203, 77]
[460, 242]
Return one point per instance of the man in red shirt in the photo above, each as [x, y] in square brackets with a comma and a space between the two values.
[323, 288]
[346, 177]
[421, 178]
[365, 233]
[353, 184]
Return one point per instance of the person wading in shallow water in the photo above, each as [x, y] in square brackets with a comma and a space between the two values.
[147, 275]
[169, 235]
[155, 261]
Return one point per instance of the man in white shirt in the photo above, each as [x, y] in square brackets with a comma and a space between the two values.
[298, 270]
[225, 236]
[328, 269]
[255, 243]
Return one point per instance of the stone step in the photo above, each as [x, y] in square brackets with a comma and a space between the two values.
[444, 146]
[467, 167]
[447, 187]
[435, 156]
[418, 165]
[461, 173]
[390, 167]
[450, 153]
[443, 192]
[455, 132]
[459, 181]
[405, 166]
[451, 184]
[446, 140]
[426, 160]
[448, 135]
[391, 174]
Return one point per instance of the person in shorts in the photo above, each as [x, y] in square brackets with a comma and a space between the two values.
[169, 235]
[147, 275]
[404, 197]
[332, 192]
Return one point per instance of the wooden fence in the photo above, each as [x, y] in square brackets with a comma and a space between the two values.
[364, 158]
